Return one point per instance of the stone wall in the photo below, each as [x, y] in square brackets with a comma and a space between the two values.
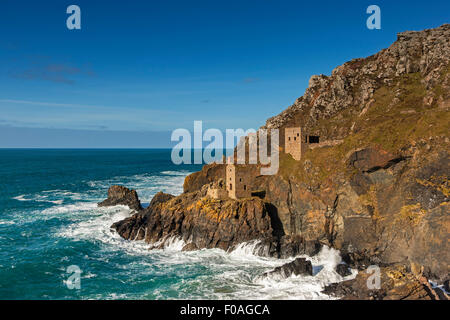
[238, 183]
[327, 143]
[216, 193]
[293, 142]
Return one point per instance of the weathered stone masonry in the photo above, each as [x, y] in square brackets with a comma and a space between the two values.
[237, 182]
[296, 143]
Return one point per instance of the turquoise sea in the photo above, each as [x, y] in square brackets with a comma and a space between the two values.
[49, 221]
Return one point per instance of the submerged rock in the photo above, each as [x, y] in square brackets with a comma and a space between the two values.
[286, 246]
[343, 270]
[299, 266]
[190, 247]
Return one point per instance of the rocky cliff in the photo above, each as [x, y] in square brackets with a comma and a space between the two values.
[202, 222]
[376, 188]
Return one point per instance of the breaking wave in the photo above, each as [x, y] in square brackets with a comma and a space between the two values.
[167, 273]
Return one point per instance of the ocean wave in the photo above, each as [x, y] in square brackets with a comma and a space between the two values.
[237, 275]
[7, 222]
[172, 243]
[71, 208]
[206, 273]
[213, 273]
[38, 198]
[21, 198]
[50, 196]
[176, 173]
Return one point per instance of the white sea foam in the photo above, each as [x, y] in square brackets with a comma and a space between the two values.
[50, 196]
[21, 198]
[174, 244]
[234, 275]
[207, 273]
[237, 275]
[305, 287]
[176, 173]
[171, 243]
[77, 207]
[245, 249]
[6, 222]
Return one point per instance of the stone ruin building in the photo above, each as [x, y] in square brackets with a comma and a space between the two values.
[297, 142]
[238, 182]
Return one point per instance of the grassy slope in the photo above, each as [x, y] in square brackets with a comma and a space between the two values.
[396, 118]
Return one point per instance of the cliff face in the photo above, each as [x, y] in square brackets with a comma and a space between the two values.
[376, 188]
[381, 194]
[200, 221]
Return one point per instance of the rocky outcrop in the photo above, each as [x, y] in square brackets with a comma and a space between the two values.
[382, 195]
[202, 221]
[299, 266]
[343, 270]
[395, 283]
[119, 195]
[371, 159]
[208, 174]
[158, 198]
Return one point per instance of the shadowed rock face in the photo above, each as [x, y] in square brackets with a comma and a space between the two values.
[119, 195]
[299, 266]
[396, 283]
[343, 270]
[203, 222]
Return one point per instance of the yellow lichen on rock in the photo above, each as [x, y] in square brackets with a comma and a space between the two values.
[412, 213]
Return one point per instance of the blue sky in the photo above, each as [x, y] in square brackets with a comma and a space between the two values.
[139, 69]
